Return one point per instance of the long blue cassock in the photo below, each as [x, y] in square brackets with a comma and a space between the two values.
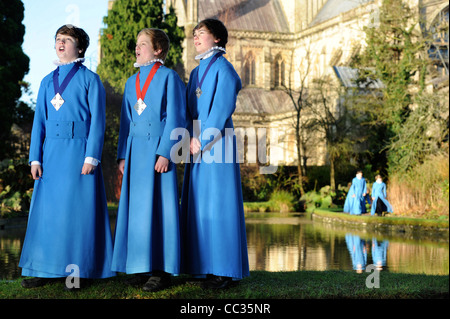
[147, 235]
[214, 235]
[356, 205]
[379, 191]
[68, 221]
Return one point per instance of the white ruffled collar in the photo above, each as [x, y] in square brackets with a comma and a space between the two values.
[210, 53]
[138, 65]
[59, 63]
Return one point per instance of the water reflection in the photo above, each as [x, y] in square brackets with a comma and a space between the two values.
[294, 242]
[10, 247]
[359, 249]
[379, 252]
[358, 252]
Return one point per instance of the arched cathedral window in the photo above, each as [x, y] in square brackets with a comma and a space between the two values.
[249, 69]
[278, 71]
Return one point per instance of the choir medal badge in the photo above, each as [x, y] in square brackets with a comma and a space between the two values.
[140, 105]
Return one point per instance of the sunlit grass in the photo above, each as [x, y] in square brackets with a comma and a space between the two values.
[260, 285]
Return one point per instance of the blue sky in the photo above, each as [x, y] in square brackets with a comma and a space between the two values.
[43, 18]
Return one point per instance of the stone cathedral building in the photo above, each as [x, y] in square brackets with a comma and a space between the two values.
[273, 42]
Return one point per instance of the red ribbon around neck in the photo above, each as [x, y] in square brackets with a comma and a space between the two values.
[139, 94]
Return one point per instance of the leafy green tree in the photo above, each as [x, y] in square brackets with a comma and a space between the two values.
[124, 21]
[393, 53]
[16, 116]
[14, 64]
[423, 133]
[397, 55]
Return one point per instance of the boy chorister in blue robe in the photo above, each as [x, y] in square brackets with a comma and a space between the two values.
[68, 229]
[147, 235]
[355, 203]
[379, 202]
[214, 236]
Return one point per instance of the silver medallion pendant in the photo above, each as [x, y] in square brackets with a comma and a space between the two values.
[57, 101]
[198, 92]
[140, 106]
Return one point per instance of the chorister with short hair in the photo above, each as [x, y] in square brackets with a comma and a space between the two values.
[355, 202]
[147, 235]
[68, 224]
[214, 236]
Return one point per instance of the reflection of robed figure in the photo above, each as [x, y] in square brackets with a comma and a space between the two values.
[357, 250]
[68, 221]
[355, 201]
[379, 252]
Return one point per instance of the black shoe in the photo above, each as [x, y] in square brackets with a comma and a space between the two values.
[157, 283]
[217, 282]
[37, 282]
[136, 280]
[83, 283]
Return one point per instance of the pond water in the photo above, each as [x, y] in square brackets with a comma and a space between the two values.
[291, 242]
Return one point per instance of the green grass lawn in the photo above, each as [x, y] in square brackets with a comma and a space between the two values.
[260, 285]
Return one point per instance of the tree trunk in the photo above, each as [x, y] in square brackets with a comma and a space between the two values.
[299, 162]
[332, 175]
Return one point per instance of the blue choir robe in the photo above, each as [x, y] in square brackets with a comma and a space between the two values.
[68, 223]
[214, 235]
[357, 250]
[379, 192]
[147, 235]
[356, 205]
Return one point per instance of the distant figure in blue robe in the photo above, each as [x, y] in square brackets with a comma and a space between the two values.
[214, 235]
[379, 252]
[358, 252]
[147, 234]
[68, 229]
[379, 202]
[355, 202]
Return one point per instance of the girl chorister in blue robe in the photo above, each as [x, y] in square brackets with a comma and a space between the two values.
[214, 235]
[68, 229]
[355, 203]
[147, 235]
[379, 202]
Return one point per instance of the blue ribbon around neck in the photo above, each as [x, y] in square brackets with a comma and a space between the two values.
[60, 89]
[215, 57]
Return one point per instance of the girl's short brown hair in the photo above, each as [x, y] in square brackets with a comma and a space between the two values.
[78, 34]
[159, 39]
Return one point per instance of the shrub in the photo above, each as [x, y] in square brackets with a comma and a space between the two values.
[260, 207]
[16, 186]
[282, 201]
[324, 198]
[423, 191]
